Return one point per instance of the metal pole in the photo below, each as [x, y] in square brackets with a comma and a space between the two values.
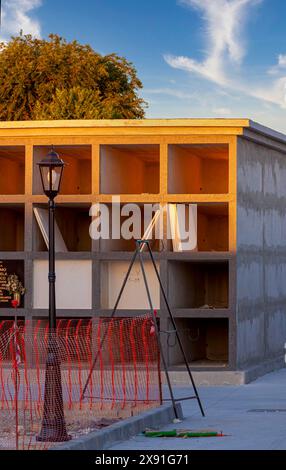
[176, 331]
[138, 245]
[52, 270]
[53, 424]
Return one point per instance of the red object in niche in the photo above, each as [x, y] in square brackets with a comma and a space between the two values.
[152, 329]
[15, 303]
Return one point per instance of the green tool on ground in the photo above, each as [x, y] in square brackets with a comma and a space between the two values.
[183, 433]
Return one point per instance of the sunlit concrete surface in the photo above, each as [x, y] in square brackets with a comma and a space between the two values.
[228, 409]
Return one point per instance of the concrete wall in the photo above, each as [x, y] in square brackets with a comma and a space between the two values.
[261, 253]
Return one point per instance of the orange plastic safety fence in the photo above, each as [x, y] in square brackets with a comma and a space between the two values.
[65, 383]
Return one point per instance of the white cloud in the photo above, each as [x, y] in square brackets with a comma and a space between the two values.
[224, 31]
[209, 69]
[281, 64]
[169, 92]
[224, 20]
[16, 17]
[282, 60]
[222, 111]
[211, 103]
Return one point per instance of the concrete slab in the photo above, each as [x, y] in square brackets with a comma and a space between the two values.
[206, 378]
[229, 409]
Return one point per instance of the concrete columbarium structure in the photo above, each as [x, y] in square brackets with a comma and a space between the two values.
[228, 296]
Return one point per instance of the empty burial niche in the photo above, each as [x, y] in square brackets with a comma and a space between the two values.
[213, 224]
[12, 227]
[198, 169]
[77, 172]
[199, 285]
[12, 174]
[134, 296]
[71, 228]
[129, 169]
[205, 341]
[212, 228]
[129, 220]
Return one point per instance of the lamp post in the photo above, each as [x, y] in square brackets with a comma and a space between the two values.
[53, 424]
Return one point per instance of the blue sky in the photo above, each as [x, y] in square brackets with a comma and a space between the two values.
[196, 58]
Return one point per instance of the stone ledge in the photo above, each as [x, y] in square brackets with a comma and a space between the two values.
[225, 377]
[123, 430]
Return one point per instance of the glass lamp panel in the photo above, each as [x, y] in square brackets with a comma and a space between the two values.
[51, 178]
[45, 177]
[54, 177]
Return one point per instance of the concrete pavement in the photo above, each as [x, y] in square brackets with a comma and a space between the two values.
[235, 410]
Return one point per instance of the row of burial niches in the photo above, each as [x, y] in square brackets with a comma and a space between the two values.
[195, 291]
[192, 169]
[206, 227]
[124, 169]
[190, 286]
[172, 228]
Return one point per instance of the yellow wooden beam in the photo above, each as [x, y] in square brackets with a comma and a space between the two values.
[122, 127]
[119, 123]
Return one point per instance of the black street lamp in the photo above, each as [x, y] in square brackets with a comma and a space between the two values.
[53, 424]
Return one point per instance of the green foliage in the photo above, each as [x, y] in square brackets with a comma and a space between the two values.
[54, 79]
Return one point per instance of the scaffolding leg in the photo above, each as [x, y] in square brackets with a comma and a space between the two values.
[175, 329]
[157, 331]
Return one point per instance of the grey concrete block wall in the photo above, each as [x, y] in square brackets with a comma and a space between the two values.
[261, 252]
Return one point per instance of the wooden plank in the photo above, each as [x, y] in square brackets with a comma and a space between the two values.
[121, 123]
[164, 168]
[28, 169]
[95, 168]
[232, 194]
[85, 132]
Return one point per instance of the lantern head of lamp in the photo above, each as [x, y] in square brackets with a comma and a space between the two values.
[51, 170]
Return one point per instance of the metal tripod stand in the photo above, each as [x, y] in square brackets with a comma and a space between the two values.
[140, 244]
